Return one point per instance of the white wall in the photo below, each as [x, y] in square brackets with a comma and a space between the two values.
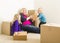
[10, 7]
[51, 9]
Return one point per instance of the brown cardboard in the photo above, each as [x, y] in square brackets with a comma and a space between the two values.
[20, 35]
[50, 33]
[5, 28]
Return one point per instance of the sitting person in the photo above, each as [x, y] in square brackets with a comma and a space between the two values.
[15, 25]
[27, 23]
[41, 17]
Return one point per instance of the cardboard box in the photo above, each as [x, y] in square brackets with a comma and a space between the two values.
[5, 28]
[50, 33]
[20, 35]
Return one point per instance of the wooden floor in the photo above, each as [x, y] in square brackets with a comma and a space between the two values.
[31, 38]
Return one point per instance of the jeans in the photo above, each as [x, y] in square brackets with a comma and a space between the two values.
[41, 23]
[31, 28]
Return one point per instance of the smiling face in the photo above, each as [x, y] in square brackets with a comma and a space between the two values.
[39, 10]
[24, 10]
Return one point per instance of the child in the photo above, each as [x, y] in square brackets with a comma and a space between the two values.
[41, 17]
[15, 25]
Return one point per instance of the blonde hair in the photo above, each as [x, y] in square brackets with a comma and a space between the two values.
[40, 9]
[21, 10]
[16, 17]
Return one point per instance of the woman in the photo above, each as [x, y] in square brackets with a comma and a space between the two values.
[27, 23]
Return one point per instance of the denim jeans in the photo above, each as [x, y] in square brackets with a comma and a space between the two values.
[31, 28]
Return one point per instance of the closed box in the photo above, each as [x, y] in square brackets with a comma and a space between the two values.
[50, 33]
[20, 35]
[5, 28]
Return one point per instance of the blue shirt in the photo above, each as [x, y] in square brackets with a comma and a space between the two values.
[42, 17]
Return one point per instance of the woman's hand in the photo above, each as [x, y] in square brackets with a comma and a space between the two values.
[28, 18]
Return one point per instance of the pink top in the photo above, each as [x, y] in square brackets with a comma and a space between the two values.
[27, 22]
